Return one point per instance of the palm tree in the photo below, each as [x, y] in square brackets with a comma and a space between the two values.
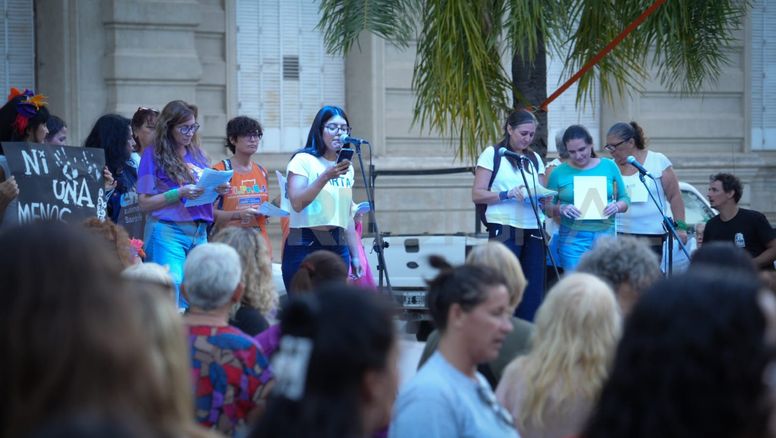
[461, 87]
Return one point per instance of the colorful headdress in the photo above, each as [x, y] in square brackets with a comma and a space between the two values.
[27, 106]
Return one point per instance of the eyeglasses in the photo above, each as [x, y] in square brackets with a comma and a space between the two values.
[333, 128]
[612, 147]
[487, 396]
[188, 129]
[255, 134]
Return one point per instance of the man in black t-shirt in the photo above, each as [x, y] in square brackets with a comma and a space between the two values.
[748, 229]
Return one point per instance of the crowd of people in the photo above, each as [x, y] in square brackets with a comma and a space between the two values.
[162, 320]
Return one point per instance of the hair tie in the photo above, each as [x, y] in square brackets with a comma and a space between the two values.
[290, 366]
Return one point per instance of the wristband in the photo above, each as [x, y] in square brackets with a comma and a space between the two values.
[172, 195]
[502, 196]
[681, 225]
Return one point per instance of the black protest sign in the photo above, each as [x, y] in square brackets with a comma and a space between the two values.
[57, 182]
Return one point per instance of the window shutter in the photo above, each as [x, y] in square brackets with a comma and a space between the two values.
[562, 112]
[763, 22]
[17, 41]
[284, 73]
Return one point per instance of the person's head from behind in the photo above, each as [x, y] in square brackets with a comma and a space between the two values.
[57, 131]
[153, 274]
[576, 331]
[347, 384]
[111, 133]
[329, 124]
[470, 306]
[24, 117]
[317, 269]
[243, 134]
[692, 358]
[723, 254]
[724, 189]
[115, 237]
[211, 278]
[627, 264]
[70, 336]
[144, 126]
[259, 290]
[497, 256]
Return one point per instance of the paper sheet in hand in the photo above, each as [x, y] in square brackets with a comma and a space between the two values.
[637, 192]
[590, 196]
[267, 209]
[208, 181]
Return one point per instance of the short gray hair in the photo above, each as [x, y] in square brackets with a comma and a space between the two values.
[622, 260]
[211, 274]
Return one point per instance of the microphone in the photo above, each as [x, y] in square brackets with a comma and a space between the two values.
[504, 152]
[635, 163]
[345, 139]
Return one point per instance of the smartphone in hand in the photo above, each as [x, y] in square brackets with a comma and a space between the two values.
[345, 154]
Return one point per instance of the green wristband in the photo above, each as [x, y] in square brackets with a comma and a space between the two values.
[172, 196]
[681, 225]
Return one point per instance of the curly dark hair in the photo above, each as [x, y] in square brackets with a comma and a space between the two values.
[730, 183]
[690, 362]
[241, 126]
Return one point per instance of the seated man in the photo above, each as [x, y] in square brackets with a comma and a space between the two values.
[748, 229]
[231, 373]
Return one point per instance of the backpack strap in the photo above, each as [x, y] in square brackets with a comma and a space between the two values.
[227, 163]
[496, 164]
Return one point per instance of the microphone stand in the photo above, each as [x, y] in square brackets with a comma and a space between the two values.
[668, 225]
[379, 245]
[535, 207]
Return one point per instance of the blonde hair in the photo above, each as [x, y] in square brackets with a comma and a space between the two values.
[154, 273]
[257, 267]
[577, 328]
[171, 361]
[496, 255]
[165, 149]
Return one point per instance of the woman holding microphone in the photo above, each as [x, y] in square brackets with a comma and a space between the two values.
[499, 184]
[320, 191]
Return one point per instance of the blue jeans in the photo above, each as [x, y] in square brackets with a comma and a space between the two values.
[303, 241]
[528, 248]
[168, 243]
[574, 244]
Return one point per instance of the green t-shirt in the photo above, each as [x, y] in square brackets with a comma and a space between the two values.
[562, 180]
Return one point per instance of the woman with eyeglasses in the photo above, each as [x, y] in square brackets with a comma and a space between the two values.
[167, 177]
[320, 191]
[578, 231]
[643, 220]
[499, 185]
[471, 307]
[248, 190]
[143, 129]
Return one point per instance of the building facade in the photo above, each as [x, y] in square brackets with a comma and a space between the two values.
[264, 58]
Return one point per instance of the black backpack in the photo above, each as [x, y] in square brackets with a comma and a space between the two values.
[480, 208]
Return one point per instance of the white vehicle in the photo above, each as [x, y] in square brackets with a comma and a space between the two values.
[696, 210]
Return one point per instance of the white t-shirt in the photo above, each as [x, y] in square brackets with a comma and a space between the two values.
[511, 211]
[643, 216]
[333, 204]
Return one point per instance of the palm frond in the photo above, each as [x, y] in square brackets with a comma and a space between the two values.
[462, 89]
[342, 21]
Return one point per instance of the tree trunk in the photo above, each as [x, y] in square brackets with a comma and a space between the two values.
[530, 82]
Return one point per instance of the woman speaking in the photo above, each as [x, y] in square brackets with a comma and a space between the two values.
[320, 190]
